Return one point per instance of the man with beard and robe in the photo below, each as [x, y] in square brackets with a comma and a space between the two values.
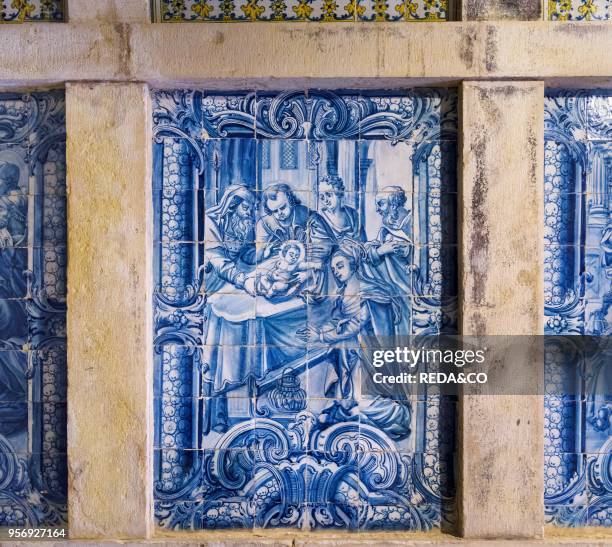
[13, 232]
[286, 219]
[392, 251]
[229, 237]
[229, 359]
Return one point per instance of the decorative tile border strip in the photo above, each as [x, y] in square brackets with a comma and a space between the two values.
[579, 10]
[28, 11]
[179, 11]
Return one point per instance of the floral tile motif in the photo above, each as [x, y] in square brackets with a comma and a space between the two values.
[403, 10]
[33, 465]
[578, 301]
[28, 11]
[287, 225]
[579, 10]
[172, 11]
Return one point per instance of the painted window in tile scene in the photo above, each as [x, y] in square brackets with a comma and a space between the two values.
[33, 473]
[289, 154]
[265, 279]
[578, 300]
[28, 11]
[579, 10]
[172, 11]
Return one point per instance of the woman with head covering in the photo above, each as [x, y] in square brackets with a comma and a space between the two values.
[364, 306]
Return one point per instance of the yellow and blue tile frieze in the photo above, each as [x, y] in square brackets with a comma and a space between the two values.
[579, 10]
[27, 11]
[178, 11]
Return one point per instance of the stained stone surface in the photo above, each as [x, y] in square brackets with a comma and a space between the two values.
[501, 280]
[110, 293]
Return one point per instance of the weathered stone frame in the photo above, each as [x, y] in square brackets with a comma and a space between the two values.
[501, 69]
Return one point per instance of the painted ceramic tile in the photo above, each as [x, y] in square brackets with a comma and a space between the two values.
[27, 11]
[403, 10]
[33, 472]
[578, 301]
[171, 11]
[579, 10]
[288, 225]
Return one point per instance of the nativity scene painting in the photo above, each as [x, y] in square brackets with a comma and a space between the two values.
[288, 227]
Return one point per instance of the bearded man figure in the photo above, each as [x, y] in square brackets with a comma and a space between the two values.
[230, 241]
[391, 253]
[13, 221]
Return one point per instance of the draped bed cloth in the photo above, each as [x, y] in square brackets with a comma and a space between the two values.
[248, 337]
[242, 347]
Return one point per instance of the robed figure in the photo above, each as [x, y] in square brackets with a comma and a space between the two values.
[13, 317]
[363, 307]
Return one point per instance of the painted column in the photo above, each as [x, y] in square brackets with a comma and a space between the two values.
[597, 186]
[178, 263]
[110, 303]
[495, 10]
[501, 275]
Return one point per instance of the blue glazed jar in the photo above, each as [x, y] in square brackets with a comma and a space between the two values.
[288, 395]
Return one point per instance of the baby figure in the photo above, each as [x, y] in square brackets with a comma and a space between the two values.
[277, 280]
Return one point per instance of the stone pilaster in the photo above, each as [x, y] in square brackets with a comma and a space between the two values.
[501, 275]
[109, 317]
